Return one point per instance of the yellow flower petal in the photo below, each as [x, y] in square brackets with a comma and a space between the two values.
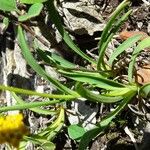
[12, 129]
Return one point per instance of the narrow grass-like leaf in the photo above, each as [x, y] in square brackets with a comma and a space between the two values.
[33, 63]
[52, 58]
[118, 92]
[143, 44]
[145, 90]
[51, 131]
[100, 98]
[54, 16]
[89, 135]
[30, 105]
[32, 1]
[30, 92]
[6, 22]
[70, 71]
[43, 55]
[62, 62]
[56, 126]
[93, 79]
[38, 110]
[42, 142]
[34, 11]
[111, 22]
[104, 45]
[126, 44]
[8, 5]
[107, 33]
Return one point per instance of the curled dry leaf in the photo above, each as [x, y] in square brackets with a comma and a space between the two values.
[143, 75]
[127, 34]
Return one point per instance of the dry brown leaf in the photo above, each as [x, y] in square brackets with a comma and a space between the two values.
[143, 75]
[127, 34]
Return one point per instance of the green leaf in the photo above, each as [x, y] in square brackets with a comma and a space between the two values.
[81, 72]
[48, 145]
[62, 62]
[145, 90]
[46, 57]
[76, 132]
[54, 16]
[34, 11]
[102, 98]
[112, 21]
[42, 142]
[32, 1]
[143, 44]
[126, 44]
[119, 92]
[38, 110]
[35, 66]
[8, 5]
[54, 59]
[6, 22]
[94, 79]
[51, 131]
[30, 92]
[22, 145]
[30, 105]
[89, 135]
[111, 28]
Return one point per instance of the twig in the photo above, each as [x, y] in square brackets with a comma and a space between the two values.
[36, 36]
[128, 132]
[132, 108]
[53, 43]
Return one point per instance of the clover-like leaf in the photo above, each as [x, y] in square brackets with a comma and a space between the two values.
[8, 5]
[34, 11]
[76, 132]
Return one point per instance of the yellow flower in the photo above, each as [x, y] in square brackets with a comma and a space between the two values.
[12, 129]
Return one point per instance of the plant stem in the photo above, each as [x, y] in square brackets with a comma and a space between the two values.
[30, 105]
[29, 92]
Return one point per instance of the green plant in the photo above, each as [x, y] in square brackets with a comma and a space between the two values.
[101, 78]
